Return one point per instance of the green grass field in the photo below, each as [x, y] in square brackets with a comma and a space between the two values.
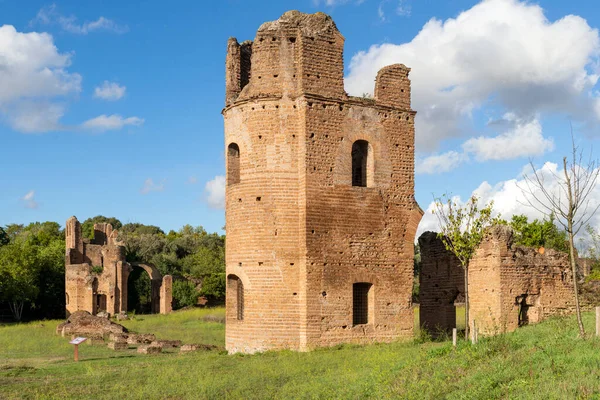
[545, 361]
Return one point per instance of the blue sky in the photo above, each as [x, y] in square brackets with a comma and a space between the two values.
[114, 108]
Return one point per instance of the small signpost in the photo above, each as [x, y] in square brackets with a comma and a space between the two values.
[76, 342]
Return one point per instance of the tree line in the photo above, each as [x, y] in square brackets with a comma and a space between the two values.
[32, 265]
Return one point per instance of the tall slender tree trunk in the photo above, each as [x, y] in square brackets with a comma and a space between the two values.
[466, 268]
[575, 285]
[570, 217]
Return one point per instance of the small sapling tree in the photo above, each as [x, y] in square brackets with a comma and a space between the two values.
[461, 230]
[568, 195]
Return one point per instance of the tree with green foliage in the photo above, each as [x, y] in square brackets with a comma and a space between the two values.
[140, 229]
[19, 272]
[13, 230]
[204, 262]
[461, 230]
[35, 260]
[184, 294]
[4, 239]
[213, 286]
[87, 227]
[569, 199]
[538, 233]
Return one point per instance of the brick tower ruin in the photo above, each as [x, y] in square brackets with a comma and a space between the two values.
[96, 273]
[320, 208]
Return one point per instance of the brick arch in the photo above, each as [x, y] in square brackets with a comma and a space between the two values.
[241, 274]
[357, 129]
[156, 279]
[153, 273]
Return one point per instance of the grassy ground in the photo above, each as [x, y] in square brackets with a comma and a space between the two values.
[543, 361]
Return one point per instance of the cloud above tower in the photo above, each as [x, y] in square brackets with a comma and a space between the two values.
[500, 53]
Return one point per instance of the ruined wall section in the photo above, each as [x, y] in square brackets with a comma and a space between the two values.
[509, 285]
[533, 284]
[166, 294]
[359, 234]
[441, 282]
[238, 67]
[392, 86]
[486, 286]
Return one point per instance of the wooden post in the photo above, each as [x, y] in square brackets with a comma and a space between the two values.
[473, 338]
[76, 342]
[597, 321]
[454, 336]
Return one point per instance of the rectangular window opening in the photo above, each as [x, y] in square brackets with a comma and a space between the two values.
[360, 303]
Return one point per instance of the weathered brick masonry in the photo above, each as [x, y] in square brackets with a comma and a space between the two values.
[509, 285]
[320, 209]
[96, 273]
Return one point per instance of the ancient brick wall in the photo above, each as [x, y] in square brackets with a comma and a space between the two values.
[299, 234]
[441, 282]
[166, 294]
[96, 273]
[509, 285]
[532, 285]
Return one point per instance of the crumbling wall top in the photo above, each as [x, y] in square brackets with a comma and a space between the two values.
[309, 24]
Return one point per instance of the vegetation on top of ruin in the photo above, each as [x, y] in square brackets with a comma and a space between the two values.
[97, 269]
[540, 361]
[87, 227]
[538, 233]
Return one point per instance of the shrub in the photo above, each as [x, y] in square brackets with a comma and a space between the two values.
[184, 294]
[97, 269]
[213, 286]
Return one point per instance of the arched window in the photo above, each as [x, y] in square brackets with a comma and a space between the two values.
[362, 164]
[361, 297]
[233, 164]
[235, 297]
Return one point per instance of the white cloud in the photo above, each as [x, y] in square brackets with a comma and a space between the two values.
[525, 139]
[33, 74]
[521, 139]
[192, 180]
[111, 122]
[35, 116]
[499, 52]
[109, 91]
[509, 199]
[150, 186]
[29, 200]
[438, 163]
[50, 16]
[215, 192]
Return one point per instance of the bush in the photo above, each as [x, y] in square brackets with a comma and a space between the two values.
[97, 269]
[184, 294]
[213, 286]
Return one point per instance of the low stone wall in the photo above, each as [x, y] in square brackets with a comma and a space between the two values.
[509, 285]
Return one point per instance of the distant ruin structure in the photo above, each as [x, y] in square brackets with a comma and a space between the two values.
[320, 209]
[97, 273]
[509, 285]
